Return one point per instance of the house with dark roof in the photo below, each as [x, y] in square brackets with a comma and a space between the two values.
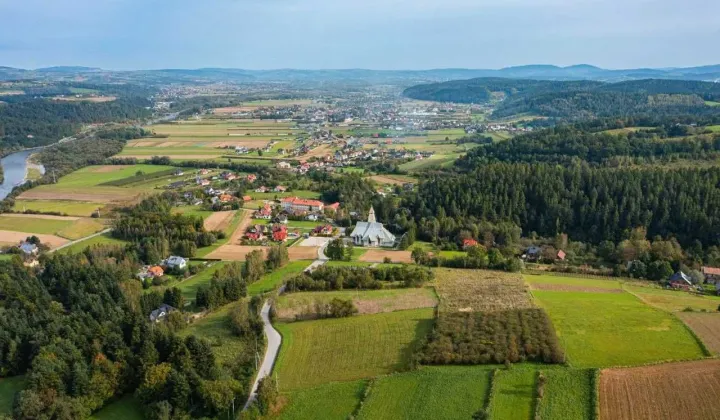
[372, 233]
[161, 312]
[680, 280]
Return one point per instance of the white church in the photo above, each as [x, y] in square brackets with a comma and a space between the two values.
[372, 233]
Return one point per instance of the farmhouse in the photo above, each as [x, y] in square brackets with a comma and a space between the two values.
[680, 280]
[280, 188]
[175, 262]
[295, 204]
[467, 243]
[372, 233]
[28, 248]
[712, 275]
[279, 233]
[161, 312]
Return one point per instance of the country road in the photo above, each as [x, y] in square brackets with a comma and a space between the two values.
[273, 348]
[71, 243]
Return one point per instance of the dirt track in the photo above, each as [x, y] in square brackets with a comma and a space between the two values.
[219, 220]
[10, 237]
[238, 252]
[687, 390]
[40, 216]
[378, 255]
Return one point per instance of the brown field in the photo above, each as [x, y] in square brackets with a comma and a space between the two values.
[241, 228]
[238, 252]
[108, 168]
[480, 290]
[232, 109]
[175, 157]
[687, 390]
[319, 151]
[10, 237]
[378, 255]
[40, 216]
[706, 326]
[96, 99]
[219, 220]
[571, 288]
[247, 143]
[386, 180]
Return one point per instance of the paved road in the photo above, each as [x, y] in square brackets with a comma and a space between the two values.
[273, 347]
[80, 240]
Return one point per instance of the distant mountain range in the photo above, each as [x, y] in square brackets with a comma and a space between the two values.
[539, 72]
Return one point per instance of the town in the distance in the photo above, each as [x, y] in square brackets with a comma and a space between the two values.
[535, 242]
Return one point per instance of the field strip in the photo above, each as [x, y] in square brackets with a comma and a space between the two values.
[238, 252]
[40, 216]
[219, 220]
[7, 236]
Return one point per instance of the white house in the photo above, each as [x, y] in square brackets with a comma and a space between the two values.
[176, 262]
[372, 233]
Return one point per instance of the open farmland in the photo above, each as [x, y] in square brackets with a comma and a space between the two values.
[70, 208]
[238, 252]
[568, 394]
[480, 290]
[379, 255]
[669, 391]
[335, 401]
[35, 224]
[615, 329]
[343, 349]
[8, 237]
[219, 220]
[675, 300]
[276, 278]
[513, 395]
[449, 392]
[706, 327]
[302, 305]
[104, 239]
[571, 284]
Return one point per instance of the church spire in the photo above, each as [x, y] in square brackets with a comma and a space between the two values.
[371, 215]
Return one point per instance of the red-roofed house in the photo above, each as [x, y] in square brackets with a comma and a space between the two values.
[323, 230]
[251, 177]
[467, 243]
[295, 204]
[247, 198]
[279, 233]
[264, 213]
[561, 255]
[226, 198]
[712, 274]
[280, 188]
[255, 233]
[334, 206]
[156, 271]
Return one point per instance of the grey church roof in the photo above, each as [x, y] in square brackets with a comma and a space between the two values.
[372, 230]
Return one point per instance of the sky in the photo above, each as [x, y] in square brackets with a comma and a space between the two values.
[372, 34]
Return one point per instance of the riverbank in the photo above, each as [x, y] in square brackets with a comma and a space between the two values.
[15, 170]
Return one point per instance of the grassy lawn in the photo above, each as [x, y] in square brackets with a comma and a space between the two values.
[514, 394]
[452, 254]
[568, 394]
[8, 388]
[126, 408]
[317, 352]
[273, 280]
[190, 285]
[714, 128]
[71, 208]
[615, 329]
[433, 392]
[675, 300]
[215, 327]
[33, 225]
[192, 211]
[357, 253]
[330, 402]
[571, 281]
[104, 239]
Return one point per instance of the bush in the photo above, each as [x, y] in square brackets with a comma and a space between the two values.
[339, 278]
[267, 394]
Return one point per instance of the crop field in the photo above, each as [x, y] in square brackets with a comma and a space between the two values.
[480, 290]
[291, 306]
[233, 232]
[104, 239]
[675, 300]
[344, 349]
[32, 224]
[669, 391]
[513, 394]
[334, 401]
[393, 179]
[449, 392]
[238, 252]
[71, 208]
[436, 160]
[126, 408]
[571, 284]
[270, 282]
[85, 184]
[615, 329]
[219, 220]
[568, 394]
[8, 388]
[705, 326]
[11, 237]
[379, 255]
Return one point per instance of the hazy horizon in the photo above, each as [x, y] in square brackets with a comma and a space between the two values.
[372, 34]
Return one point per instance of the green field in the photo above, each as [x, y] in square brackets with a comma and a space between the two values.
[126, 408]
[215, 328]
[572, 281]
[615, 329]
[8, 388]
[568, 394]
[196, 211]
[328, 350]
[714, 128]
[513, 394]
[436, 160]
[33, 225]
[334, 401]
[314, 195]
[190, 285]
[675, 300]
[433, 392]
[273, 280]
[104, 239]
[712, 103]
[71, 208]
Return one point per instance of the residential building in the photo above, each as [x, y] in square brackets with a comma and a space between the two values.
[712, 275]
[28, 249]
[467, 243]
[161, 312]
[295, 204]
[264, 213]
[279, 233]
[680, 280]
[175, 262]
[251, 177]
[280, 188]
[372, 233]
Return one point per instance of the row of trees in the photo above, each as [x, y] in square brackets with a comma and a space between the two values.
[339, 278]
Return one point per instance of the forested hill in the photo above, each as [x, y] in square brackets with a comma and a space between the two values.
[578, 100]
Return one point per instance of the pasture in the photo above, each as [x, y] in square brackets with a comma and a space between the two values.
[568, 394]
[104, 239]
[344, 349]
[513, 394]
[432, 392]
[675, 300]
[705, 326]
[480, 290]
[190, 285]
[651, 392]
[615, 329]
[571, 284]
[275, 279]
[335, 401]
[64, 227]
[291, 306]
[70, 208]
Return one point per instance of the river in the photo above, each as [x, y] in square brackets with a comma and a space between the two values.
[15, 169]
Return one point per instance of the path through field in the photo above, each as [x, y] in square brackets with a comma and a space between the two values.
[71, 243]
[273, 348]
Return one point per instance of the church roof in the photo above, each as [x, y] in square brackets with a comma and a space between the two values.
[372, 230]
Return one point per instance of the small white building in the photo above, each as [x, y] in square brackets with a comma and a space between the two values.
[372, 233]
[175, 262]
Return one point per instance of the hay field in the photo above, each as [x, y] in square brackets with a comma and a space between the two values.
[345, 349]
[661, 392]
[480, 290]
[706, 326]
